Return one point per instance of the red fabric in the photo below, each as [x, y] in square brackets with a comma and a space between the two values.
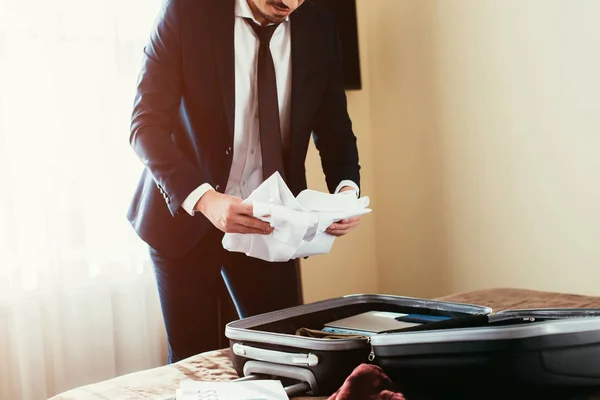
[367, 382]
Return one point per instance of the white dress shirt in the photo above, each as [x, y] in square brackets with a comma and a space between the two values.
[246, 167]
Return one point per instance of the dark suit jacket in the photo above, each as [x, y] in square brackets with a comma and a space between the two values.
[182, 122]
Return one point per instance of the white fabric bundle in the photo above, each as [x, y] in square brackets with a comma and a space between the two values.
[299, 223]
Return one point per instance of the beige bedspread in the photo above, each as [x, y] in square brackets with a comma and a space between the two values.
[160, 383]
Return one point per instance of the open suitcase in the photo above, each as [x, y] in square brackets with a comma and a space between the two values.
[476, 353]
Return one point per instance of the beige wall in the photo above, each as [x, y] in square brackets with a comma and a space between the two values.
[485, 125]
[479, 133]
[407, 201]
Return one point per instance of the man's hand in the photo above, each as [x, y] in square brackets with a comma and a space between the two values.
[229, 215]
[344, 226]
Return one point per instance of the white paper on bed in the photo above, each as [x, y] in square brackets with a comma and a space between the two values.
[247, 390]
[299, 222]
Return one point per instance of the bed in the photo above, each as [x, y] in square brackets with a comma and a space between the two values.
[160, 383]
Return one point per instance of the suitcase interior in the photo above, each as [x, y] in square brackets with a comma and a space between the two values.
[337, 357]
[552, 353]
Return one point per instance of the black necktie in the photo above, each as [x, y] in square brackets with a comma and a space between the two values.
[268, 106]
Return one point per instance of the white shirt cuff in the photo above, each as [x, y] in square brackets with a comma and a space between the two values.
[190, 202]
[347, 183]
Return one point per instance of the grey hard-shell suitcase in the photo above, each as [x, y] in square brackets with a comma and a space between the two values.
[543, 353]
[267, 345]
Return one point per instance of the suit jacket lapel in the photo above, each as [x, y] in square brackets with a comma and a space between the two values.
[223, 45]
[302, 65]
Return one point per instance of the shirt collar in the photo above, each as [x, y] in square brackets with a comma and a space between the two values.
[242, 10]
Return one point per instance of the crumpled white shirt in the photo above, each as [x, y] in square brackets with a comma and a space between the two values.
[299, 222]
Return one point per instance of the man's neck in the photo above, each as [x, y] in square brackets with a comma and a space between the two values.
[256, 13]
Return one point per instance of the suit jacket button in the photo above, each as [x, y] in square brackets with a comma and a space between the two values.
[217, 187]
[228, 150]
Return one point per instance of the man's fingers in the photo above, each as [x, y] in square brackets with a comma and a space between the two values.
[343, 231]
[246, 224]
[256, 224]
[339, 232]
[344, 226]
[341, 226]
[245, 208]
[346, 223]
[239, 228]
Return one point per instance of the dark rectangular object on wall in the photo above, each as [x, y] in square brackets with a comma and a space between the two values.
[345, 14]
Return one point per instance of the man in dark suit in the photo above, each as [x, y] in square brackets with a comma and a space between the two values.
[229, 93]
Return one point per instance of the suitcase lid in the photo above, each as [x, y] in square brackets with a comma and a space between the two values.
[242, 330]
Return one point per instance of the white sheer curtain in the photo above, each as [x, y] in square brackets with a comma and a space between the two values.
[78, 301]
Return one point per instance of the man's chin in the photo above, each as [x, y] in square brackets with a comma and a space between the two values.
[275, 19]
[272, 18]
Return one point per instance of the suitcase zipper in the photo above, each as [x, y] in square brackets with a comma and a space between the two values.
[372, 353]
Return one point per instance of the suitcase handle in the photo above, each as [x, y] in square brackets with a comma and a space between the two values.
[278, 357]
[307, 381]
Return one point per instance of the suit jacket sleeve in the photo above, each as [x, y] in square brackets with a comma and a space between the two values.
[156, 108]
[332, 128]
